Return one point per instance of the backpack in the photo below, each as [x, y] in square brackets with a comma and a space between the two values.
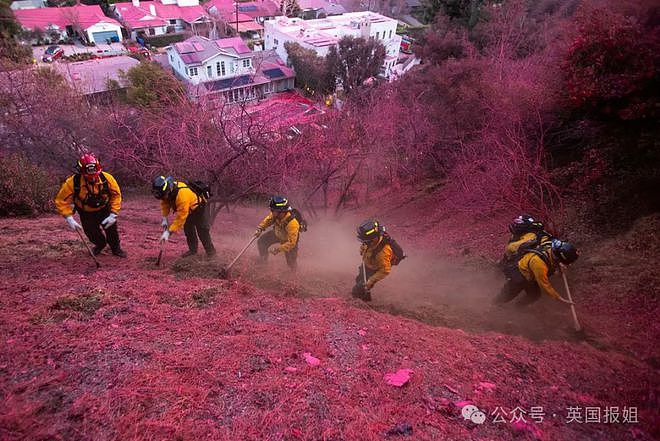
[95, 201]
[297, 215]
[397, 251]
[511, 269]
[200, 188]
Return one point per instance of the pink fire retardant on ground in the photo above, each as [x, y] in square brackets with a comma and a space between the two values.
[311, 360]
[399, 378]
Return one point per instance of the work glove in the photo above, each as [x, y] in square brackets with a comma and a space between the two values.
[275, 250]
[109, 221]
[73, 225]
[258, 232]
[568, 302]
[165, 236]
[164, 223]
[369, 285]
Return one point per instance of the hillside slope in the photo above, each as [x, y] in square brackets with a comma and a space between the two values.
[131, 351]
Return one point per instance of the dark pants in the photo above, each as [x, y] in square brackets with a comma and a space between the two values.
[267, 239]
[91, 223]
[515, 283]
[198, 224]
[359, 288]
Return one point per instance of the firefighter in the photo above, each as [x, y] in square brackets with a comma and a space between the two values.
[285, 233]
[377, 258]
[96, 196]
[532, 271]
[191, 211]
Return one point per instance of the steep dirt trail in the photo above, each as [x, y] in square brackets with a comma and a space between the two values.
[442, 292]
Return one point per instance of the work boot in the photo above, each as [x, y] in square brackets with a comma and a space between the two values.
[97, 250]
[189, 253]
[119, 253]
[211, 254]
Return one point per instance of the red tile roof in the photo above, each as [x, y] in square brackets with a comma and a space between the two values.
[42, 18]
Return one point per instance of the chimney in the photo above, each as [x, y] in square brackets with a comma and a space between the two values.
[136, 3]
[152, 9]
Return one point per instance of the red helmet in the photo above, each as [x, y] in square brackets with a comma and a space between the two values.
[89, 166]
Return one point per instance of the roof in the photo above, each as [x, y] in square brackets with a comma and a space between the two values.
[196, 50]
[92, 76]
[249, 26]
[43, 18]
[265, 8]
[141, 16]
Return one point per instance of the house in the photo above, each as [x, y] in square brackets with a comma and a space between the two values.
[245, 17]
[27, 4]
[152, 18]
[227, 69]
[88, 22]
[99, 79]
[321, 34]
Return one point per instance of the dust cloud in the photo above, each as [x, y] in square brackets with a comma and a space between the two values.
[426, 287]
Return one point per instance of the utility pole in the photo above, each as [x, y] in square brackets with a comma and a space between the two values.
[237, 34]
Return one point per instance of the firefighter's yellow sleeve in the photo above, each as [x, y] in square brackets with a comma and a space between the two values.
[115, 193]
[384, 262]
[64, 198]
[539, 271]
[267, 222]
[186, 201]
[292, 232]
[512, 247]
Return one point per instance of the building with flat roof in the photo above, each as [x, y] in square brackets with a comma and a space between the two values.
[319, 35]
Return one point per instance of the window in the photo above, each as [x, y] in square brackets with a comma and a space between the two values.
[222, 67]
[246, 62]
[218, 71]
[275, 42]
[192, 71]
[173, 22]
[209, 71]
[171, 57]
[377, 35]
[390, 34]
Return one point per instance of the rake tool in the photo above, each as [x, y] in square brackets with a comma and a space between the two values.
[98, 264]
[224, 272]
[576, 323]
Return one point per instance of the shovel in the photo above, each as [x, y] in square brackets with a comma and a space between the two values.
[576, 323]
[224, 272]
[98, 264]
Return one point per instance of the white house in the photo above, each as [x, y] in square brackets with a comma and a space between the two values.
[319, 35]
[59, 23]
[161, 17]
[227, 68]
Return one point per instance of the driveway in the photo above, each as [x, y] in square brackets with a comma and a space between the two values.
[78, 48]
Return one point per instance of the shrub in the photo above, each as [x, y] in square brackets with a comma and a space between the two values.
[25, 189]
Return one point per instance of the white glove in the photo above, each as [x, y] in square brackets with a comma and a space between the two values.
[165, 236]
[73, 225]
[164, 223]
[109, 221]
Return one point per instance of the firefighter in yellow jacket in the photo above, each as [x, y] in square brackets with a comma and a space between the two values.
[96, 196]
[285, 232]
[191, 212]
[377, 256]
[531, 272]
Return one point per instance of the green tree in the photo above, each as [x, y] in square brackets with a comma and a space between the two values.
[466, 12]
[149, 85]
[10, 49]
[312, 72]
[354, 60]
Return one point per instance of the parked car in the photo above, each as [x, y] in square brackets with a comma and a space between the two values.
[52, 54]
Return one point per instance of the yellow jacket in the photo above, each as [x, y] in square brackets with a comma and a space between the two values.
[185, 201]
[513, 245]
[380, 261]
[534, 269]
[287, 232]
[64, 200]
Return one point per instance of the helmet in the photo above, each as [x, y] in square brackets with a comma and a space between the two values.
[525, 224]
[369, 230]
[279, 203]
[162, 186]
[89, 167]
[565, 252]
